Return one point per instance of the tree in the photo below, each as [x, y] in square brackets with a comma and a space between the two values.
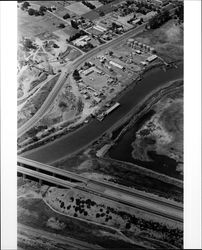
[42, 8]
[111, 53]
[61, 26]
[66, 16]
[31, 12]
[101, 13]
[76, 75]
[25, 5]
[74, 24]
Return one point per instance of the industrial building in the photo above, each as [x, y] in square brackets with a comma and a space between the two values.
[116, 65]
[152, 58]
[88, 71]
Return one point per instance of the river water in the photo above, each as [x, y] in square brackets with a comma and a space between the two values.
[86, 134]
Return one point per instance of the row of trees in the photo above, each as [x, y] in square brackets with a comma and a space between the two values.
[77, 35]
[89, 5]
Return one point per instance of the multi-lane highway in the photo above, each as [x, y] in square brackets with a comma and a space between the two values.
[130, 197]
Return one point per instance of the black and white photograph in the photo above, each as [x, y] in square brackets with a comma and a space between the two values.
[100, 125]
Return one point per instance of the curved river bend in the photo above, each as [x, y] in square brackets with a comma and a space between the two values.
[86, 134]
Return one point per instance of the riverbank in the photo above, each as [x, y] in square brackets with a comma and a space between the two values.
[84, 136]
[65, 131]
[162, 140]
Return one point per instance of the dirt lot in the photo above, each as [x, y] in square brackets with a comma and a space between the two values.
[167, 40]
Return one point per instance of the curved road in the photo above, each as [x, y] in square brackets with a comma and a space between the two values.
[28, 125]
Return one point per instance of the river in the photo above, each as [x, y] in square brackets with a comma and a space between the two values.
[77, 140]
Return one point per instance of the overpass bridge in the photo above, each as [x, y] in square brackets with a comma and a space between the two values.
[107, 190]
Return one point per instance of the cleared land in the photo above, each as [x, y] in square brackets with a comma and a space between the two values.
[78, 8]
[167, 40]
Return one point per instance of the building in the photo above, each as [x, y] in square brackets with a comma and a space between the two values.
[157, 2]
[101, 152]
[144, 63]
[81, 41]
[88, 71]
[116, 105]
[116, 65]
[137, 21]
[100, 28]
[152, 58]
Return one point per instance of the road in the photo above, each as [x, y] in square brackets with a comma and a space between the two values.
[45, 106]
[166, 208]
[79, 139]
[39, 114]
[30, 232]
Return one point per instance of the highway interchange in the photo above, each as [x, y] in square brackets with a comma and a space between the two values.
[137, 199]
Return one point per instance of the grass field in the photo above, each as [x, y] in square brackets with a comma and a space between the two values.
[31, 26]
[78, 8]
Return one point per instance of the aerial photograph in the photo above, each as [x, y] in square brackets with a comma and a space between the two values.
[100, 124]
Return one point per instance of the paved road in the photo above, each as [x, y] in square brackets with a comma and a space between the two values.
[28, 125]
[45, 106]
[30, 232]
[168, 209]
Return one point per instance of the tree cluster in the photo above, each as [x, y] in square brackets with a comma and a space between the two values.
[39, 12]
[77, 35]
[28, 44]
[159, 19]
[179, 12]
[76, 75]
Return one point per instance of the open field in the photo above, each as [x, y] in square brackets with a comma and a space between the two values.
[31, 26]
[78, 8]
[167, 40]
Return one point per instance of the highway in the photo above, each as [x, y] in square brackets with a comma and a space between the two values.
[137, 199]
[49, 100]
[45, 106]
